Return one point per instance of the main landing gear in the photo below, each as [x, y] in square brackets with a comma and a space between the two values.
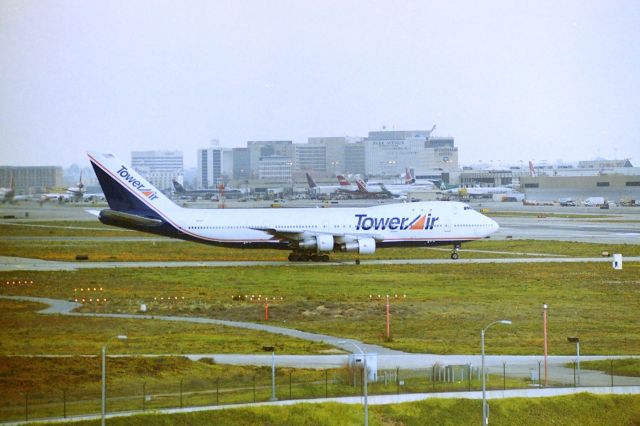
[303, 256]
[454, 254]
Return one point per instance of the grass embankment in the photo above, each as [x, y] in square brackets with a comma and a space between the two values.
[621, 367]
[24, 332]
[52, 385]
[55, 386]
[581, 409]
[445, 307]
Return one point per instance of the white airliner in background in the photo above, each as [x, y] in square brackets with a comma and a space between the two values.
[310, 234]
[343, 185]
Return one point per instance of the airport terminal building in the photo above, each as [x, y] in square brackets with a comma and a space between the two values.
[159, 167]
[31, 179]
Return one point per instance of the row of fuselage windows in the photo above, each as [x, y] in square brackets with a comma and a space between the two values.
[461, 225]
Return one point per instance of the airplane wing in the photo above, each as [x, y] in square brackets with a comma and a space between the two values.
[292, 235]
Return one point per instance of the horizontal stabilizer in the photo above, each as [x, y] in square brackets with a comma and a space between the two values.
[94, 212]
[113, 217]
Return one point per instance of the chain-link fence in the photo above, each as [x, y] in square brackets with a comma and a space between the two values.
[76, 390]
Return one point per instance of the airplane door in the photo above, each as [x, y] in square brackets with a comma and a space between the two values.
[449, 218]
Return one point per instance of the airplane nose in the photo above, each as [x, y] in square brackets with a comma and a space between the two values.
[493, 225]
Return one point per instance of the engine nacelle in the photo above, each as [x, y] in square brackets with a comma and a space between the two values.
[318, 242]
[362, 246]
[325, 242]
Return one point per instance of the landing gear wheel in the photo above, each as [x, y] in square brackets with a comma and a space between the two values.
[325, 257]
[454, 255]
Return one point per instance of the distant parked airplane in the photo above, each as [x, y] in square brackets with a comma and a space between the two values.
[206, 194]
[7, 194]
[343, 185]
[73, 193]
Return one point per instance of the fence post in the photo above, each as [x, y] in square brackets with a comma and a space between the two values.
[254, 388]
[504, 376]
[469, 377]
[290, 371]
[574, 374]
[144, 395]
[64, 403]
[26, 406]
[433, 377]
[217, 390]
[397, 380]
[180, 393]
[539, 367]
[326, 384]
[611, 373]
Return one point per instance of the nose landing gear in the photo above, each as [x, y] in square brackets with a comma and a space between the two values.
[454, 254]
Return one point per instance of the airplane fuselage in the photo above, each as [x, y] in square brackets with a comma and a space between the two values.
[411, 224]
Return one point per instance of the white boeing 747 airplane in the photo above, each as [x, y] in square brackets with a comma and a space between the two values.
[310, 234]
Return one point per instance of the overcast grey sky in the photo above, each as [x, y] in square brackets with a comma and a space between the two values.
[510, 80]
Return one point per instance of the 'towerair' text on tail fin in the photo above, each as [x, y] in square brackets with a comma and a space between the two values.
[127, 191]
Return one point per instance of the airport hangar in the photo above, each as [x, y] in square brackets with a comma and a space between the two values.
[611, 187]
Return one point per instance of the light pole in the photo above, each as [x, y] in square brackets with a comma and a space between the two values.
[104, 386]
[485, 406]
[576, 340]
[544, 320]
[272, 349]
[366, 401]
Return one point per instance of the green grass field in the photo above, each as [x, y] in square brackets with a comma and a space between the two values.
[621, 367]
[23, 332]
[444, 308]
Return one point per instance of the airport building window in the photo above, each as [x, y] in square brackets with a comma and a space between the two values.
[633, 183]
[531, 185]
[602, 183]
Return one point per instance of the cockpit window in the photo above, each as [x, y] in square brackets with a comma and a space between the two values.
[467, 208]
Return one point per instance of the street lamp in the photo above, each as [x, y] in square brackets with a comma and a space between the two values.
[544, 324]
[576, 340]
[366, 401]
[485, 406]
[272, 349]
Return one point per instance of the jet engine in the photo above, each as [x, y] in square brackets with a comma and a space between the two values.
[317, 242]
[361, 245]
